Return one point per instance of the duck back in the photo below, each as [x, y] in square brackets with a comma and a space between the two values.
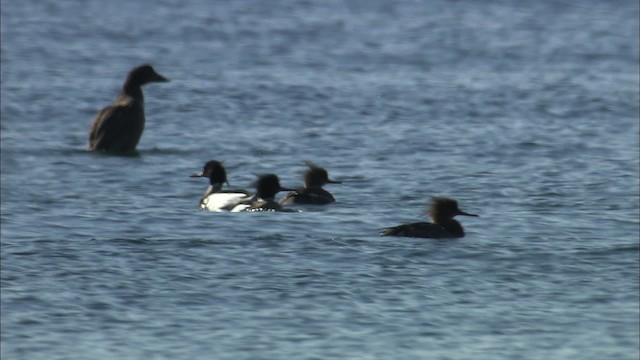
[315, 196]
[118, 127]
[423, 230]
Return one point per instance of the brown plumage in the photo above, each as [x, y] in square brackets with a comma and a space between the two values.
[442, 211]
[312, 193]
[118, 127]
[267, 186]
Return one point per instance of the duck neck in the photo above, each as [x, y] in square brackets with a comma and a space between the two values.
[214, 187]
[133, 90]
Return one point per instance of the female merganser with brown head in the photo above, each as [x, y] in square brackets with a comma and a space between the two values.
[312, 193]
[118, 127]
[267, 186]
[442, 211]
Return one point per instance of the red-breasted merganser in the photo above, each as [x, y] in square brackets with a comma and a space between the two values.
[216, 199]
[267, 186]
[118, 127]
[442, 211]
[312, 193]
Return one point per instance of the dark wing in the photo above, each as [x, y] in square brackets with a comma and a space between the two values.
[313, 196]
[108, 126]
[290, 198]
[394, 231]
[419, 229]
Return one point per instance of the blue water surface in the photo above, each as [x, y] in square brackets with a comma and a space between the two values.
[526, 113]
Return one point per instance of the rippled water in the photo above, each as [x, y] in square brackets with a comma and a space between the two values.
[525, 113]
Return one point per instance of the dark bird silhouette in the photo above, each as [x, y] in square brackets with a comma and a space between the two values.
[312, 193]
[267, 186]
[118, 127]
[442, 211]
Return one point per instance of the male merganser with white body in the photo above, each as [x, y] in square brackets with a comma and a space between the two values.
[216, 199]
[442, 211]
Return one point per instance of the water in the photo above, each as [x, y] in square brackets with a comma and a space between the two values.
[527, 114]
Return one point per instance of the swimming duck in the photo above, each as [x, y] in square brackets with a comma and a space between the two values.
[312, 193]
[216, 199]
[442, 211]
[118, 127]
[267, 186]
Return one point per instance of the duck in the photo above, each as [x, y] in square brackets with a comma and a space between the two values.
[267, 186]
[215, 198]
[442, 211]
[312, 192]
[118, 127]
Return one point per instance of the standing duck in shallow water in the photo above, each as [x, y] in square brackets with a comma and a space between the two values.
[312, 193]
[442, 211]
[118, 127]
[216, 199]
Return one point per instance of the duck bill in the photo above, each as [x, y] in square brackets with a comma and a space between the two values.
[198, 174]
[333, 182]
[159, 78]
[466, 214]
